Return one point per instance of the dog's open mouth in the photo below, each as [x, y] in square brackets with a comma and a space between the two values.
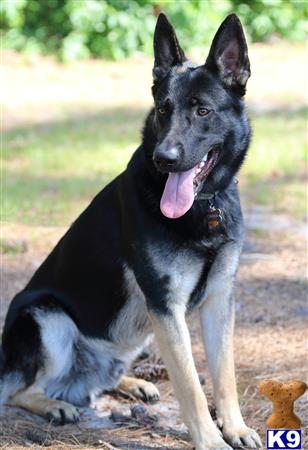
[204, 168]
[182, 187]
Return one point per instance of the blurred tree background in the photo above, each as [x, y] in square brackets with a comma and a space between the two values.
[113, 29]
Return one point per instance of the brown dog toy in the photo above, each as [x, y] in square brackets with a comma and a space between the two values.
[283, 396]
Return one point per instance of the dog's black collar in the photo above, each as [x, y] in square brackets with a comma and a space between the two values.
[211, 195]
[204, 196]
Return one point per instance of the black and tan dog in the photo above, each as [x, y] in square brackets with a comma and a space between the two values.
[161, 239]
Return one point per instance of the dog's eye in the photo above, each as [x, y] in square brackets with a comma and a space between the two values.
[203, 111]
[162, 111]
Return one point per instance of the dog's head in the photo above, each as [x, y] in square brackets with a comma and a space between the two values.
[201, 130]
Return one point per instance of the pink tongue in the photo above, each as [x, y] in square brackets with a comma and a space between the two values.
[178, 195]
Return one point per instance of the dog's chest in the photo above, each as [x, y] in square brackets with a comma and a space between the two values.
[181, 273]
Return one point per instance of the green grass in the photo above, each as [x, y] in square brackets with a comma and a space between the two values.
[13, 247]
[278, 144]
[276, 167]
[52, 171]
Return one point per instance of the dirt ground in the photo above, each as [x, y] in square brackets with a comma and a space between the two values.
[270, 339]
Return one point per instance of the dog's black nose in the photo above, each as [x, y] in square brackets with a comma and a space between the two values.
[166, 159]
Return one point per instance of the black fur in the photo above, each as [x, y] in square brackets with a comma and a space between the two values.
[22, 346]
[123, 226]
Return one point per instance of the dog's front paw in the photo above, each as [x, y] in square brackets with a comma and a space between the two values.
[219, 445]
[213, 441]
[226, 447]
[242, 437]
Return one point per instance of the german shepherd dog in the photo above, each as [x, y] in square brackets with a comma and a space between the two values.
[160, 240]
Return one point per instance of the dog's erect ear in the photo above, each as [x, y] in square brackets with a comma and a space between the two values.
[167, 50]
[229, 55]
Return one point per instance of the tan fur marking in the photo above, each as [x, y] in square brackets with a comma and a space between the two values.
[34, 400]
[138, 388]
[181, 69]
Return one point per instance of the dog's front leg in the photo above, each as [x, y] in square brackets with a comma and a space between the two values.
[173, 339]
[217, 321]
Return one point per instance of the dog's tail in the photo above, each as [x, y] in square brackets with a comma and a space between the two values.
[10, 382]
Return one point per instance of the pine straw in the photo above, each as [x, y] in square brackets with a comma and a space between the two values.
[20, 432]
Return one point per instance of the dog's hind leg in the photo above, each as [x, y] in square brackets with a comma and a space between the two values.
[34, 400]
[173, 338]
[139, 388]
[39, 347]
[217, 321]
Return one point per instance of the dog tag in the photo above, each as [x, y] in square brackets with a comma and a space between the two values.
[214, 217]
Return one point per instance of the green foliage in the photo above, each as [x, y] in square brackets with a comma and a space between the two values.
[118, 28]
[262, 18]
